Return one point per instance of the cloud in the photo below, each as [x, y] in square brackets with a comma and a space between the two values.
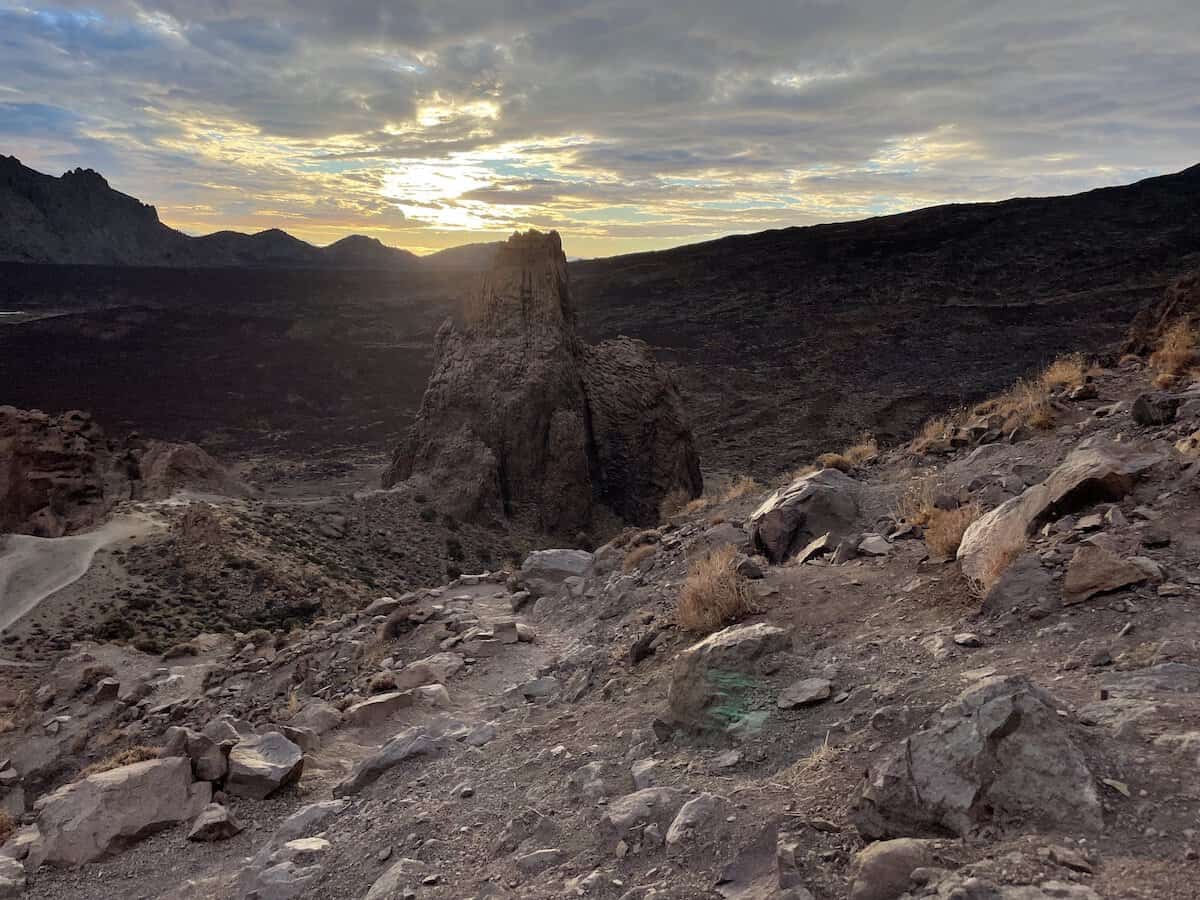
[628, 124]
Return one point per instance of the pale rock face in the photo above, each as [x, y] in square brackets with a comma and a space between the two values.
[1097, 470]
[89, 819]
[521, 420]
[262, 765]
[710, 675]
[544, 571]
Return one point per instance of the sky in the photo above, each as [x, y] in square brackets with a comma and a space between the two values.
[625, 125]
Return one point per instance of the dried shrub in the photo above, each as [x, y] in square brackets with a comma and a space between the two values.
[7, 825]
[916, 504]
[998, 558]
[694, 506]
[1066, 372]
[739, 488]
[945, 527]
[635, 557]
[864, 449]
[932, 432]
[713, 594]
[1026, 403]
[835, 461]
[136, 754]
[1164, 381]
[1176, 352]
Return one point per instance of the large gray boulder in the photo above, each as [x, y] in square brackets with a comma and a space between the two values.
[260, 766]
[825, 502]
[653, 805]
[1097, 470]
[999, 752]
[712, 676]
[99, 815]
[544, 571]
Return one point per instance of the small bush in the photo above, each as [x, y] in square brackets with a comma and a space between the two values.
[136, 754]
[993, 566]
[945, 529]
[1176, 352]
[916, 504]
[713, 594]
[835, 461]
[933, 431]
[694, 506]
[635, 557]
[1066, 372]
[1026, 403]
[739, 488]
[865, 448]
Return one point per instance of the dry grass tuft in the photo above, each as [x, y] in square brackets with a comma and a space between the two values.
[1164, 381]
[673, 504]
[945, 527]
[812, 770]
[1176, 353]
[835, 461]
[865, 448]
[739, 488]
[694, 506]
[1026, 403]
[713, 594]
[635, 557]
[915, 505]
[1066, 372]
[136, 754]
[1000, 558]
[933, 431]
[7, 825]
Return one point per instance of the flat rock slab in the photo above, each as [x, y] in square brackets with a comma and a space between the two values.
[805, 692]
[262, 765]
[378, 709]
[1094, 570]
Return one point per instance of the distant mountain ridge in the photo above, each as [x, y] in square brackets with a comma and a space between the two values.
[79, 219]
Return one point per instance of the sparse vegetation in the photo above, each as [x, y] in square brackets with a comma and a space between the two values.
[135, 754]
[7, 825]
[1026, 403]
[694, 506]
[834, 461]
[714, 594]
[673, 504]
[1066, 372]
[1176, 352]
[916, 504]
[635, 557]
[865, 448]
[993, 566]
[945, 528]
[813, 769]
[739, 488]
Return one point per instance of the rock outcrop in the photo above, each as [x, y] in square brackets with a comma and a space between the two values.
[60, 474]
[1000, 752]
[521, 420]
[1181, 301]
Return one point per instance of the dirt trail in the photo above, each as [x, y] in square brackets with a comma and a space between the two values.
[33, 568]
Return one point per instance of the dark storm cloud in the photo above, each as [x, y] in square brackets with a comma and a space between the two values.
[518, 110]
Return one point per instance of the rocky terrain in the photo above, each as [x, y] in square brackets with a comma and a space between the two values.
[780, 343]
[964, 667]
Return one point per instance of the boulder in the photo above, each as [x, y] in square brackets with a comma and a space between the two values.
[215, 823]
[260, 766]
[698, 814]
[1096, 470]
[378, 709]
[208, 762]
[999, 752]
[410, 743]
[825, 502]
[1154, 408]
[401, 880]
[805, 692]
[1094, 570]
[99, 815]
[653, 805]
[544, 571]
[710, 677]
[1026, 585]
[883, 870]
